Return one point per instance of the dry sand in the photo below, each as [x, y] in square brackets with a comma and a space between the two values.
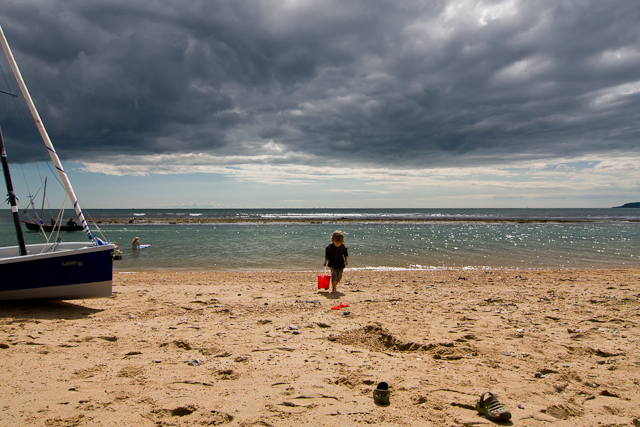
[558, 347]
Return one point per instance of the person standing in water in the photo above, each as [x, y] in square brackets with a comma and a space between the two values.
[337, 256]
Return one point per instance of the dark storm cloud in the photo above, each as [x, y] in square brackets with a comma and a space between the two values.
[371, 81]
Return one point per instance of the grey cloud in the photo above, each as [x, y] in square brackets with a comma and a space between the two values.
[379, 83]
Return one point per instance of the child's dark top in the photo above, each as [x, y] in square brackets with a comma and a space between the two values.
[336, 255]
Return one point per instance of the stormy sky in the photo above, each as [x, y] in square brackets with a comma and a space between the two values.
[281, 103]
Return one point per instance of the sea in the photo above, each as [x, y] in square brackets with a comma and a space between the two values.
[377, 239]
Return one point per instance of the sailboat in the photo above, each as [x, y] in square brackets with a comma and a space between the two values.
[56, 270]
[34, 226]
[49, 228]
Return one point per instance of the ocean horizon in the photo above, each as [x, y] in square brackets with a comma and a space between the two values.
[387, 239]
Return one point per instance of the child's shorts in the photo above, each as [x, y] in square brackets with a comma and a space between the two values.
[336, 274]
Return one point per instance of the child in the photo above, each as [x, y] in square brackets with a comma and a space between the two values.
[337, 256]
[135, 243]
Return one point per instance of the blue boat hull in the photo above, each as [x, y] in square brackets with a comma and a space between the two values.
[72, 271]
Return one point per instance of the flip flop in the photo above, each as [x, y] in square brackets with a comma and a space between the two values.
[381, 394]
[492, 409]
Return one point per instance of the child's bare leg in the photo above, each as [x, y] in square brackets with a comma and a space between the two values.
[334, 284]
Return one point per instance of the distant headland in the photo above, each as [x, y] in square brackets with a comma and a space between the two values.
[629, 205]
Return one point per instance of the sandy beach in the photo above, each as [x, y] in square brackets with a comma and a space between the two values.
[557, 347]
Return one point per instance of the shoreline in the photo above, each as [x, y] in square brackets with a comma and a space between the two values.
[375, 270]
[557, 346]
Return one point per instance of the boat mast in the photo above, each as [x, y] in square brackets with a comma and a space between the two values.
[45, 136]
[44, 194]
[12, 197]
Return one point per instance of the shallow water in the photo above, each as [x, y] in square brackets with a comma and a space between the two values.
[608, 238]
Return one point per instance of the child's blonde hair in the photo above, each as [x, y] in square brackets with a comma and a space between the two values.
[337, 237]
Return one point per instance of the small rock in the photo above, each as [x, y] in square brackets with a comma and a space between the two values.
[194, 362]
[601, 362]
[346, 313]
[520, 405]
[293, 327]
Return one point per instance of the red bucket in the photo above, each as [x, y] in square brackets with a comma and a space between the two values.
[324, 281]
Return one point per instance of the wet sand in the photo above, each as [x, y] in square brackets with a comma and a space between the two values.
[558, 347]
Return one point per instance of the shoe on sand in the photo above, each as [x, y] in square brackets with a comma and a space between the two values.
[492, 408]
[381, 394]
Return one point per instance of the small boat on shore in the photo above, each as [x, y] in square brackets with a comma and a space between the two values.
[55, 269]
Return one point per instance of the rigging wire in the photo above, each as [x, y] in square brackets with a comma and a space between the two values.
[29, 132]
[33, 144]
[95, 226]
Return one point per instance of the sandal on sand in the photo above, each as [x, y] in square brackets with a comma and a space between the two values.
[381, 394]
[492, 408]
